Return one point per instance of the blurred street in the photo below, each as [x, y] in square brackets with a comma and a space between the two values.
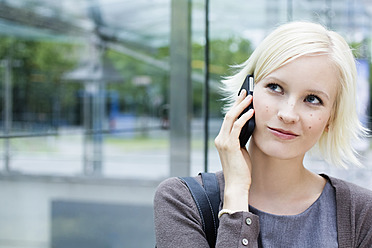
[147, 159]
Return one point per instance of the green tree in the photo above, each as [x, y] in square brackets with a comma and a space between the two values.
[37, 69]
[223, 55]
[140, 99]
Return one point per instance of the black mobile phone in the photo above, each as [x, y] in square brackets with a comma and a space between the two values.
[248, 128]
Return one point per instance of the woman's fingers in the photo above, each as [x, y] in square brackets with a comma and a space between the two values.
[228, 137]
[239, 123]
[231, 116]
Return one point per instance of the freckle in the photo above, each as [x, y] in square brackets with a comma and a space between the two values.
[320, 119]
[310, 127]
[311, 115]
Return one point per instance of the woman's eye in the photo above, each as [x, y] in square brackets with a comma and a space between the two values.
[313, 99]
[275, 87]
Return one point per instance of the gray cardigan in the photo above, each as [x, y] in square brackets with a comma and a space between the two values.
[178, 224]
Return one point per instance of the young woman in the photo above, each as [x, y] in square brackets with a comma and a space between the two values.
[304, 98]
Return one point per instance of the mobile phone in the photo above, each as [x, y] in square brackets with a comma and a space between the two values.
[248, 128]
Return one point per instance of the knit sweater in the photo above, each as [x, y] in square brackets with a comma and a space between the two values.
[178, 224]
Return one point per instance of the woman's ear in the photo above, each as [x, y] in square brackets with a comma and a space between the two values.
[326, 129]
[329, 122]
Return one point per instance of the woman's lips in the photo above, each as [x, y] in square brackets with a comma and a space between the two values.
[283, 134]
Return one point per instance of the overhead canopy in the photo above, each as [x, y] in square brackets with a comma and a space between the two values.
[145, 24]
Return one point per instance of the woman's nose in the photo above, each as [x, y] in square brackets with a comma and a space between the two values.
[287, 112]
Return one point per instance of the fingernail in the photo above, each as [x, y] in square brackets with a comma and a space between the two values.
[242, 91]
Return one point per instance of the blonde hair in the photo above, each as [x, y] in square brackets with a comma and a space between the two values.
[291, 41]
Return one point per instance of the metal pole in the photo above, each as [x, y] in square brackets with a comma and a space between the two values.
[8, 96]
[97, 125]
[180, 88]
[289, 10]
[206, 86]
[94, 105]
[329, 13]
[87, 126]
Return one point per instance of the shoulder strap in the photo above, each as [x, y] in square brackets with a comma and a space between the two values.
[212, 189]
[207, 200]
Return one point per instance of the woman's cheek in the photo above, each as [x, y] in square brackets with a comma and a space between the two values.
[316, 122]
[263, 108]
[264, 114]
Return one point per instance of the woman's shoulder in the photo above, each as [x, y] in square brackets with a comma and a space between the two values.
[349, 194]
[354, 206]
[174, 188]
[171, 187]
[349, 189]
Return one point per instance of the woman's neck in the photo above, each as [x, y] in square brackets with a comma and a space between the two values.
[282, 186]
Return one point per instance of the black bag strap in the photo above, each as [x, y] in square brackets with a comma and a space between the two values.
[212, 188]
[207, 200]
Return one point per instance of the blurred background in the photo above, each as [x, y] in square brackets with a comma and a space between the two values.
[101, 100]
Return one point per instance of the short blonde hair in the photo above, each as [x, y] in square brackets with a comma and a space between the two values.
[293, 40]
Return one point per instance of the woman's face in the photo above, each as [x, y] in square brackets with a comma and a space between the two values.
[293, 106]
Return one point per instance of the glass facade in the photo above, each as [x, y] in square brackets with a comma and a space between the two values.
[89, 92]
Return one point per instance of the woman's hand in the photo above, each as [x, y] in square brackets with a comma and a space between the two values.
[236, 163]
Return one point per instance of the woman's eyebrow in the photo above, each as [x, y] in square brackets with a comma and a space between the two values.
[275, 79]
